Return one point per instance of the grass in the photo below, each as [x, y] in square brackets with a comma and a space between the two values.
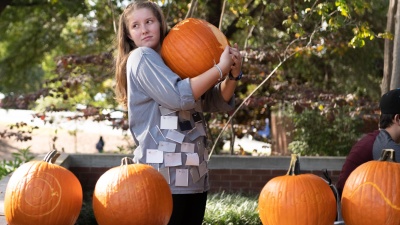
[231, 209]
[222, 209]
[86, 217]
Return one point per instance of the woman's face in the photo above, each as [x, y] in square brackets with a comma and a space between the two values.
[144, 28]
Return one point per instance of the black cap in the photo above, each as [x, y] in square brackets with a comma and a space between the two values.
[390, 102]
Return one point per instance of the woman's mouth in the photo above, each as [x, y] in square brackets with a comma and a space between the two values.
[146, 38]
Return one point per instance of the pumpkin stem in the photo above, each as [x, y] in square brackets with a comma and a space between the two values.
[126, 161]
[388, 155]
[294, 167]
[51, 156]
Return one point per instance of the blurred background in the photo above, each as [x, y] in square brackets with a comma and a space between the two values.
[313, 74]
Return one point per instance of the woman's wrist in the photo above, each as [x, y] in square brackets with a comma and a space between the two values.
[235, 78]
[222, 69]
[219, 71]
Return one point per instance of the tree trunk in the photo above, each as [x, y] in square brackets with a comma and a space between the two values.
[395, 77]
[388, 56]
[214, 9]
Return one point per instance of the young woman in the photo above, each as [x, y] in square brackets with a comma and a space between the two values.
[165, 111]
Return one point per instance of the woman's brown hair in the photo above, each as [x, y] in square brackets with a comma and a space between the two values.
[126, 45]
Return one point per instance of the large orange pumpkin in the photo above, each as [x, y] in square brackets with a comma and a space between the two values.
[192, 47]
[292, 199]
[371, 193]
[40, 192]
[132, 194]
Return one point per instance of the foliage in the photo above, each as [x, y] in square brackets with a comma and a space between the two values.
[225, 208]
[317, 134]
[20, 131]
[329, 37]
[333, 45]
[29, 32]
[20, 157]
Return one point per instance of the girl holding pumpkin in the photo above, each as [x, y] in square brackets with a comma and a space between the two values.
[165, 111]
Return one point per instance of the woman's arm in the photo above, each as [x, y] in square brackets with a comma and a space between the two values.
[208, 79]
[228, 86]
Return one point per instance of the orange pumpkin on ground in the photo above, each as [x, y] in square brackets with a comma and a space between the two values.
[371, 194]
[132, 194]
[43, 193]
[192, 47]
[292, 199]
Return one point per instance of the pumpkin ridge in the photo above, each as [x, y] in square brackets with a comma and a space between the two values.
[40, 192]
[142, 183]
[205, 31]
[303, 183]
[202, 40]
[319, 199]
[294, 198]
[369, 196]
[180, 68]
[192, 47]
[299, 181]
[379, 190]
[168, 56]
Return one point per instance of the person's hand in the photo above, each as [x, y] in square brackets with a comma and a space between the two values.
[237, 60]
[226, 60]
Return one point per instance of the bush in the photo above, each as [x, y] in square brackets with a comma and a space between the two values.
[20, 157]
[331, 133]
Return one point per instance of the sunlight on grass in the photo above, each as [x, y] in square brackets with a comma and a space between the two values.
[231, 209]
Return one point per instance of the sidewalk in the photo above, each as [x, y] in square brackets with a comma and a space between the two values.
[88, 133]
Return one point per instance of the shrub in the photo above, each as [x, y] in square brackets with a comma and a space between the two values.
[20, 157]
[331, 133]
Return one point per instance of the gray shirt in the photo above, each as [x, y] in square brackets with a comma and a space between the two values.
[156, 95]
[385, 141]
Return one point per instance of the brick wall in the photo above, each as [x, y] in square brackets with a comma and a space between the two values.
[239, 180]
[229, 180]
[227, 173]
[88, 176]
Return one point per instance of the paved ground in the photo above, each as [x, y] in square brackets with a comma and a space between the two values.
[88, 133]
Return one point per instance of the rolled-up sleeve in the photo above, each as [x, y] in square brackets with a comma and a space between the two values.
[213, 101]
[159, 82]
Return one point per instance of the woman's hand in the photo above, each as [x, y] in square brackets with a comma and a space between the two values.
[237, 60]
[226, 60]
[228, 85]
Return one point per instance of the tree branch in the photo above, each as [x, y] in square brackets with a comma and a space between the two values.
[193, 5]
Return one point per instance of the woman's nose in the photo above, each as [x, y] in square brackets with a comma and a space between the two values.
[144, 30]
